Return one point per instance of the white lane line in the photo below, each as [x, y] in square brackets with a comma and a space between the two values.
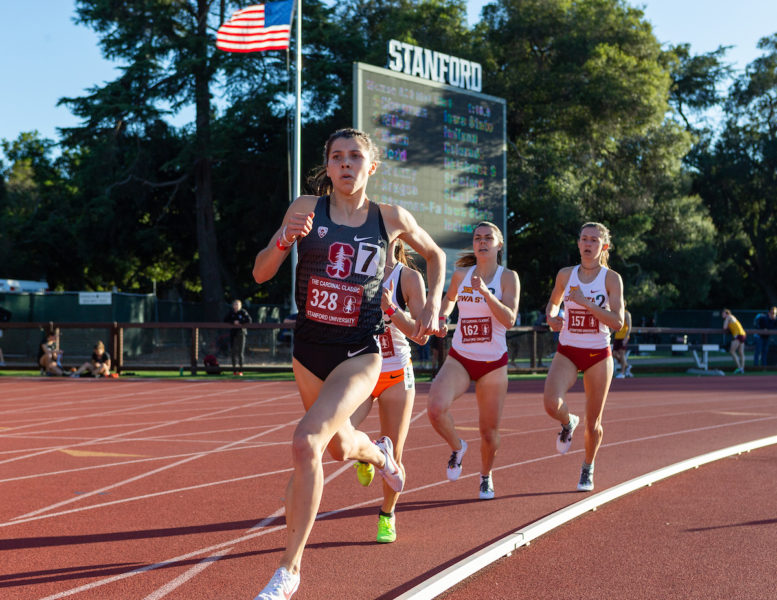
[19, 520]
[59, 433]
[271, 519]
[73, 404]
[439, 583]
[33, 517]
[119, 436]
[138, 460]
[136, 408]
[183, 578]
[148, 473]
[258, 530]
[143, 409]
[180, 580]
[189, 488]
[167, 563]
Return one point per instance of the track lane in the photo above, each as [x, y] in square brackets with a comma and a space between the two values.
[650, 424]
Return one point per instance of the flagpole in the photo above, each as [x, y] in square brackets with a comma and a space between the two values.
[297, 176]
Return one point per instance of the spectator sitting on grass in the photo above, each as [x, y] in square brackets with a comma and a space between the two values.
[50, 356]
[99, 365]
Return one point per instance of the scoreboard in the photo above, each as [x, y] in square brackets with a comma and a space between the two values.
[442, 151]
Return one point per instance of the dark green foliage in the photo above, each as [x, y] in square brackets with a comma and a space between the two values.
[603, 124]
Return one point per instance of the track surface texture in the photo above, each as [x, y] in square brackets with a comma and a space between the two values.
[145, 489]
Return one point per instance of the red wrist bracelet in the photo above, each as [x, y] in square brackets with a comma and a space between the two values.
[390, 311]
[280, 245]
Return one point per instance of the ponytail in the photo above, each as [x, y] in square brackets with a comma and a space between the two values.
[401, 255]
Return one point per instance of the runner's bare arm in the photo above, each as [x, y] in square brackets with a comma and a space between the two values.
[415, 298]
[296, 224]
[556, 297]
[448, 302]
[505, 310]
[400, 223]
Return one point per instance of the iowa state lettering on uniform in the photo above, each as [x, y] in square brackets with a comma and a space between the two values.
[473, 299]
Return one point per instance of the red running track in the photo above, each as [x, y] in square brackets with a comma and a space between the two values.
[705, 534]
[160, 489]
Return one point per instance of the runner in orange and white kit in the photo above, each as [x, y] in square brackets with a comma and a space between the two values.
[342, 238]
[487, 297]
[403, 299]
[593, 304]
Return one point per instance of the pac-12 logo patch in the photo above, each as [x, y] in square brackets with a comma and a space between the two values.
[322, 231]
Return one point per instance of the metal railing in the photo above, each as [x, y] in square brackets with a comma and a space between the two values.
[188, 342]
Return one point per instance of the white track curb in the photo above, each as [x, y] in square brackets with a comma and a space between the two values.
[456, 573]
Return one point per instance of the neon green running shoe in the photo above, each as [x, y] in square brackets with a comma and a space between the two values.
[387, 529]
[364, 473]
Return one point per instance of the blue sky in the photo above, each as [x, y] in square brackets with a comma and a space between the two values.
[46, 56]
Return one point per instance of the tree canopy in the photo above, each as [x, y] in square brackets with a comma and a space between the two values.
[602, 124]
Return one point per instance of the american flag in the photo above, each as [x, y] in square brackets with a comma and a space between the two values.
[257, 27]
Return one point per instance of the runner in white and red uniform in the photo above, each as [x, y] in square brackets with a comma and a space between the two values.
[479, 341]
[403, 298]
[342, 240]
[582, 330]
[593, 304]
[486, 294]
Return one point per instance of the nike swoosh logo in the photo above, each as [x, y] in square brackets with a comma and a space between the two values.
[358, 239]
[394, 376]
[352, 354]
[591, 355]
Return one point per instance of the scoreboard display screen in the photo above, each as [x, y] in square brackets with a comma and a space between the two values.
[442, 152]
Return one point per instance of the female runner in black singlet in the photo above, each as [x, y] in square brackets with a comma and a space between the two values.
[342, 239]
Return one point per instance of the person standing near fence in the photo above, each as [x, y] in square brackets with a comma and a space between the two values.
[5, 315]
[766, 320]
[770, 341]
[403, 299]
[487, 297]
[737, 347]
[237, 335]
[342, 238]
[592, 294]
[759, 347]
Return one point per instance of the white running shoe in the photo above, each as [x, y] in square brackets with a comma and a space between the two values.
[454, 462]
[390, 471]
[486, 487]
[281, 587]
[586, 483]
[620, 376]
[564, 440]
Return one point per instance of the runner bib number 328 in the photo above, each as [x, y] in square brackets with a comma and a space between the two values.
[333, 302]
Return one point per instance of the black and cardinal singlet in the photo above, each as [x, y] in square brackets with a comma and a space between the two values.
[339, 275]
